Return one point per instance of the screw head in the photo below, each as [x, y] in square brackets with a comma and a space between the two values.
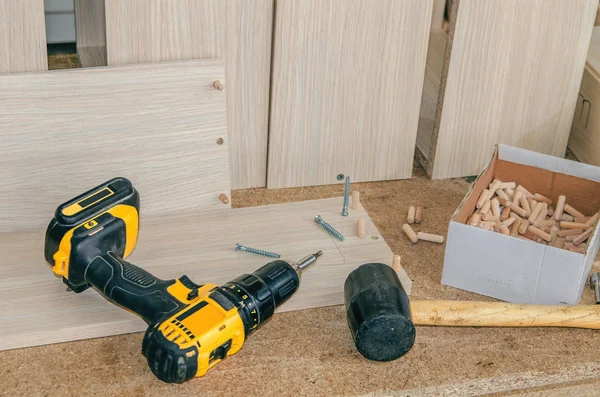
[345, 213]
[318, 219]
[340, 177]
[238, 247]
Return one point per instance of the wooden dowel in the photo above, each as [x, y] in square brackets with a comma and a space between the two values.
[505, 214]
[434, 238]
[525, 205]
[540, 233]
[486, 207]
[355, 200]
[536, 212]
[410, 233]
[488, 217]
[560, 206]
[510, 193]
[542, 198]
[542, 215]
[397, 263]
[572, 211]
[553, 233]
[410, 218]
[583, 236]
[572, 225]
[224, 199]
[360, 227]
[500, 193]
[526, 192]
[518, 210]
[482, 198]
[507, 185]
[418, 214]
[474, 220]
[514, 230]
[524, 226]
[496, 207]
[593, 220]
[582, 219]
[570, 232]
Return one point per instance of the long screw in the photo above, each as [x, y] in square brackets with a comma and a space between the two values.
[346, 196]
[329, 228]
[240, 247]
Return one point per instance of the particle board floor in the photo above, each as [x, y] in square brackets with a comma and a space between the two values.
[311, 353]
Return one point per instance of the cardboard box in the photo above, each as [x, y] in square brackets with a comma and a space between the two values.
[515, 270]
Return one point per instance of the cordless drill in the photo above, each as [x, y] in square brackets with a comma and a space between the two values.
[191, 327]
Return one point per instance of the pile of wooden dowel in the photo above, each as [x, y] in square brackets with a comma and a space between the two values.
[414, 216]
[513, 210]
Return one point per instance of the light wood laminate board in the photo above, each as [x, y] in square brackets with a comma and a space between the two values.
[431, 89]
[67, 131]
[35, 309]
[90, 24]
[513, 77]
[347, 82]
[240, 31]
[22, 36]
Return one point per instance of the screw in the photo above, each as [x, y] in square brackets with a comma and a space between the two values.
[340, 177]
[240, 247]
[329, 228]
[346, 196]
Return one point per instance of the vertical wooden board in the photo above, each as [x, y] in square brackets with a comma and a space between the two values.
[22, 36]
[70, 130]
[513, 78]
[240, 31]
[90, 27]
[347, 82]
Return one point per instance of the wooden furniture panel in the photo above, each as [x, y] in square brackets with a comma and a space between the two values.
[584, 140]
[22, 36]
[238, 30]
[513, 76]
[90, 23]
[35, 309]
[64, 132]
[431, 90]
[347, 81]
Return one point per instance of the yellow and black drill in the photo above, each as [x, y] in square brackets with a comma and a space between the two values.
[191, 327]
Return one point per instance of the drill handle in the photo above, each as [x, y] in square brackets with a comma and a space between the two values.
[131, 287]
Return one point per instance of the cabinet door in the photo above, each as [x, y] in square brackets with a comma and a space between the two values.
[346, 89]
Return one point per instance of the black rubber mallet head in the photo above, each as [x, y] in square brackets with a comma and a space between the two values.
[378, 312]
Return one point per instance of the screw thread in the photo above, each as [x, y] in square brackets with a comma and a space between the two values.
[330, 229]
[256, 251]
[346, 196]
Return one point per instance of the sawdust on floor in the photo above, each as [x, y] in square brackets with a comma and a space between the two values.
[311, 352]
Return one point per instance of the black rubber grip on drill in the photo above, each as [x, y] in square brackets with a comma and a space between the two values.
[132, 287]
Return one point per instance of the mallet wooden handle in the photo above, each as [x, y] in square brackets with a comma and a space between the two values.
[501, 314]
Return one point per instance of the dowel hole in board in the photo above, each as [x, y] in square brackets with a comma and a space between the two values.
[340, 177]
[374, 237]
[220, 141]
